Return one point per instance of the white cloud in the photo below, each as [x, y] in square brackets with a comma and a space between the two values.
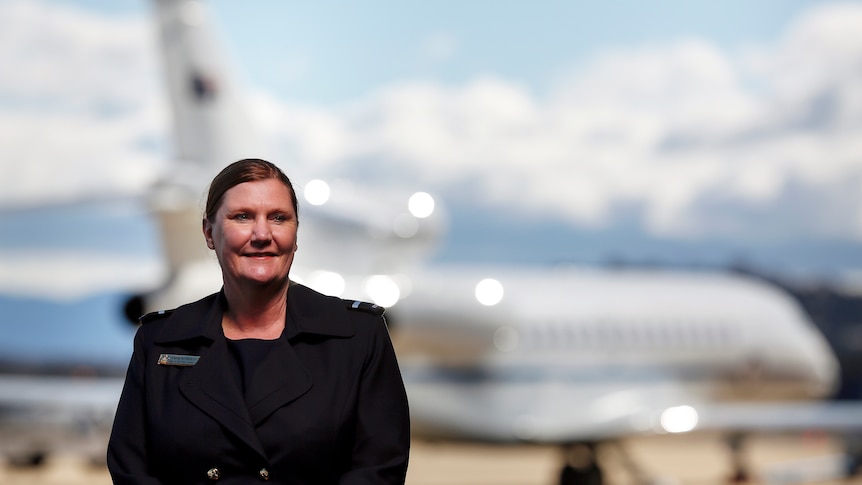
[688, 132]
[757, 143]
[80, 110]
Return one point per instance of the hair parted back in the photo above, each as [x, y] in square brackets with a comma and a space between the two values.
[241, 171]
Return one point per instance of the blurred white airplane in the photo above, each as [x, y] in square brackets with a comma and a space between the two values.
[566, 356]
[581, 357]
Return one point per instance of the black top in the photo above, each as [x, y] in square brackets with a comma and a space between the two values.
[248, 356]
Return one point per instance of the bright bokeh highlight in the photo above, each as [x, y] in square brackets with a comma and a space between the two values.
[421, 204]
[679, 419]
[489, 292]
[317, 192]
[327, 282]
[382, 290]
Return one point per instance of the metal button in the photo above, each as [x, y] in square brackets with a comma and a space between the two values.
[213, 474]
[264, 474]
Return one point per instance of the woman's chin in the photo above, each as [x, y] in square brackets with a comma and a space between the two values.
[264, 280]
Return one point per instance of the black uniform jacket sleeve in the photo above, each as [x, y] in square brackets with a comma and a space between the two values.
[328, 407]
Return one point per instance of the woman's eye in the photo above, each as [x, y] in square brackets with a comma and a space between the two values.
[279, 218]
[241, 217]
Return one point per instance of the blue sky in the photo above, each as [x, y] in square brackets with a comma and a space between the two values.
[337, 51]
[348, 49]
[663, 132]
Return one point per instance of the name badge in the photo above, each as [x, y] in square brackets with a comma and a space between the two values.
[178, 360]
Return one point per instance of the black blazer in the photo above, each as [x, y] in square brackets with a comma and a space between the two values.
[328, 407]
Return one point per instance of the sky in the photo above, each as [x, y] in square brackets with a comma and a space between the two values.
[659, 132]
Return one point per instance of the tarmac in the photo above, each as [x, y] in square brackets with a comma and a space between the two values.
[699, 459]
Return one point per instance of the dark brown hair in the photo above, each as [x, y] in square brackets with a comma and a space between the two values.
[245, 170]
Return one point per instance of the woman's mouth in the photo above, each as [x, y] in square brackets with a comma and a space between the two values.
[260, 255]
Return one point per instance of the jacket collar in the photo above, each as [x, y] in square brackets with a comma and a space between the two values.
[311, 313]
[315, 313]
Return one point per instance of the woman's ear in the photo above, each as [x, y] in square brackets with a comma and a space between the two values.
[208, 232]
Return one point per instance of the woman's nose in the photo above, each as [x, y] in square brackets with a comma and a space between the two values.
[260, 231]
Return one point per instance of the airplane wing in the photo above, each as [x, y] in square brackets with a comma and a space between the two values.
[521, 408]
[59, 394]
[554, 411]
[108, 244]
[831, 416]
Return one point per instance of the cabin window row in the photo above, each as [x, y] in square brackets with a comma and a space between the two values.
[610, 333]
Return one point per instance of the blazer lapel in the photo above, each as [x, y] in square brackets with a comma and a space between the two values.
[209, 384]
[282, 378]
[279, 379]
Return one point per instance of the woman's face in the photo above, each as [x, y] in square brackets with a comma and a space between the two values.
[254, 233]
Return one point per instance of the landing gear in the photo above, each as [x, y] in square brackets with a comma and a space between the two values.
[739, 468]
[580, 465]
[33, 459]
[853, 450]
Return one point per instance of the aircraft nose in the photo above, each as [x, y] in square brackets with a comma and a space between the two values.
[818, 365]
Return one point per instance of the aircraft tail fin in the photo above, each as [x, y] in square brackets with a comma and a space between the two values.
[210, 127]
[210, 130]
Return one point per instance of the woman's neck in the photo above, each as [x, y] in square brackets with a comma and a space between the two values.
[254, 312]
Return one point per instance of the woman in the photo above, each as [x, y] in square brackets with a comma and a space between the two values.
[267, 379]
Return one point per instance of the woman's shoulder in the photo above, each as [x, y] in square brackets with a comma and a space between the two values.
[331, 315]
[365, 307]
[309, 298]
[160, 315]
[155, 316]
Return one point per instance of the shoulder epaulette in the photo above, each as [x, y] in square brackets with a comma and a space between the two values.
[153, 316]
[364, 306]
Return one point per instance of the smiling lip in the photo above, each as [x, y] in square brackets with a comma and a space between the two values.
[260, 255]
